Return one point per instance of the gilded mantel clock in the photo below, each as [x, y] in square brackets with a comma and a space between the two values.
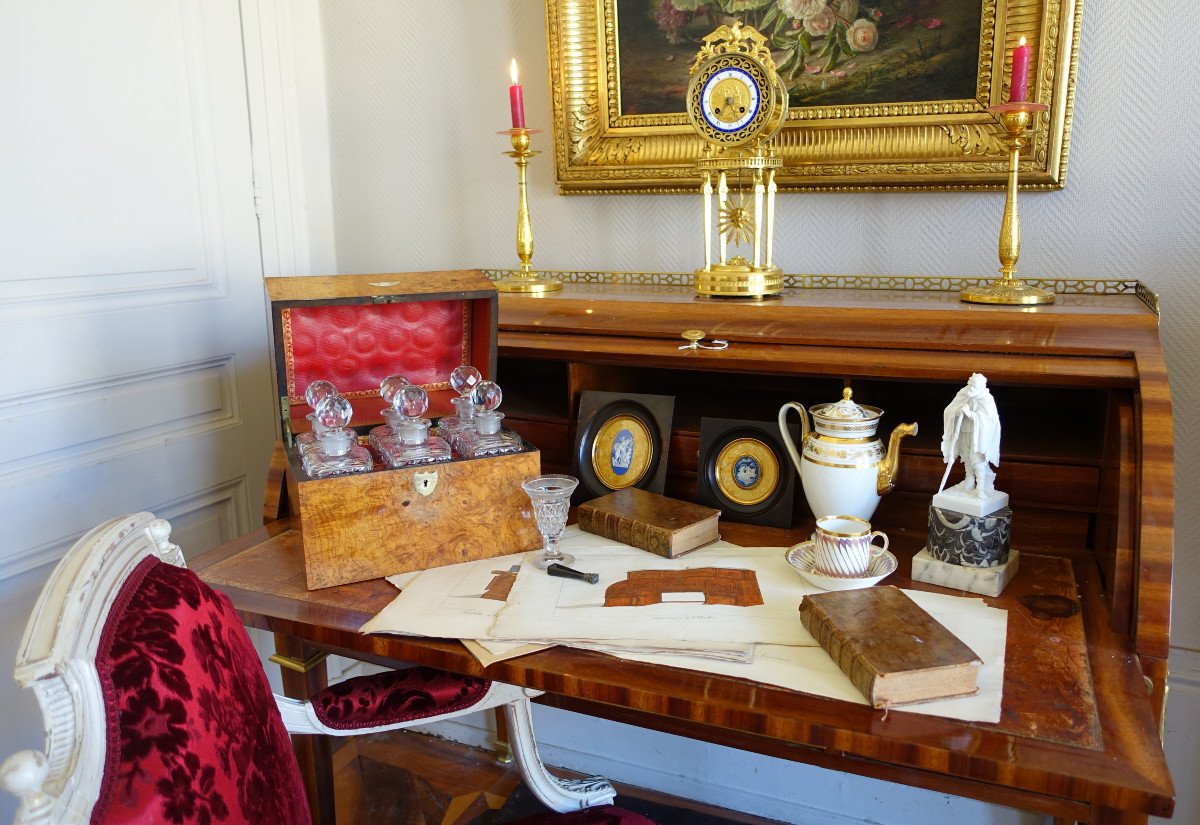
[737, 103]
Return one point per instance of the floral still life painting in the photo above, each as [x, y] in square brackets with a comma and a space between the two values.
[828, 52]
[882, 94]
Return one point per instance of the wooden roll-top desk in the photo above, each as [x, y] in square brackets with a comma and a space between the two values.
[1086, 456]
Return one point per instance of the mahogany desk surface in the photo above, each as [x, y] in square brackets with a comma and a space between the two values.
[1069, 742]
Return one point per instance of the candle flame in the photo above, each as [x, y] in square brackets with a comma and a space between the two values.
[1020, 42]
[512, 71]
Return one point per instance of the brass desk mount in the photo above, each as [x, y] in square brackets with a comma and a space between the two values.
[1016, 118]
[526, 280]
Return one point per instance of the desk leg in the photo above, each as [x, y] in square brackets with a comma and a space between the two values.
[503, 748]
[304, 673]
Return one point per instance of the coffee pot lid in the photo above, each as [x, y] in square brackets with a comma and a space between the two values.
[846, 409]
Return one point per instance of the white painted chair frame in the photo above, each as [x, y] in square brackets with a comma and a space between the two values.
[57, 659]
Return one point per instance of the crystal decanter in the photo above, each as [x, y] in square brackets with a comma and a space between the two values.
[385, 434]
[463, 380]
[487, 437]
[414, 445]
[337, 450]
[316, 392]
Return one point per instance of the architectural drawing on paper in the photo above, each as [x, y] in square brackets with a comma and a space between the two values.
[705, 585]
[501, 584]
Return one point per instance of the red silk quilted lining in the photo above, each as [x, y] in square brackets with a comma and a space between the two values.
[396, 696]
[193, 732]
[358, 345]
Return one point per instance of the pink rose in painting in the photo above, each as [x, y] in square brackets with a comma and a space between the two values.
[821, 23]
[876, 14]
[801, 9]
[932, 23]
[862, 35]
[846, 9]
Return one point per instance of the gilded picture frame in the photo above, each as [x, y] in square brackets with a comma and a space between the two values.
[855, 143]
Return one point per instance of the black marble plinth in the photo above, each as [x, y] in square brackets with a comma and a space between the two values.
[971, 541]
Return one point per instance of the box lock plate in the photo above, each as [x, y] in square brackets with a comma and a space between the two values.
[425, 482]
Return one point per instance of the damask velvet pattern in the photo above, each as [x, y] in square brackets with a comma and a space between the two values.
[396, 696]
[193, 732]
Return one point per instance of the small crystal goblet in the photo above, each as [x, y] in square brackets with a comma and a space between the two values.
[551, 497]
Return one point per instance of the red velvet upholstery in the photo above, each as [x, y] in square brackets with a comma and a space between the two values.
[396, 696]
[193, 732]
[358, 345]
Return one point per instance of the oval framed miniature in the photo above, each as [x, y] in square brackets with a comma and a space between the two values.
[744, 471]
[621, 443]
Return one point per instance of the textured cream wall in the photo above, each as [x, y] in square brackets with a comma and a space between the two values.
[419, 182]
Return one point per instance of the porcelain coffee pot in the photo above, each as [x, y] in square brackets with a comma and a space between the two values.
[841, 462]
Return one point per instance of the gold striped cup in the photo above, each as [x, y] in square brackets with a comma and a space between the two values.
[843, 546]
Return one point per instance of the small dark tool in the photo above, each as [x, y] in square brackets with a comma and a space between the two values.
[557, 569]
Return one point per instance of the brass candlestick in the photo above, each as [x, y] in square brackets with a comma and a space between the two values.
[526, 280]
[1016, 119]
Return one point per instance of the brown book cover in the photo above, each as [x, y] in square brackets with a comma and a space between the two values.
[661, 525]
[892, 650]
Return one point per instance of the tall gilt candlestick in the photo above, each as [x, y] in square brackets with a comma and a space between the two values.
[526, 280]
[1016, 119]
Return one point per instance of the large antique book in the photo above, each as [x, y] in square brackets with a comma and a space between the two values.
[892, 650]
[661, 525]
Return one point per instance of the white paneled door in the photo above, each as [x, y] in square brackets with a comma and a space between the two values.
[134, 369]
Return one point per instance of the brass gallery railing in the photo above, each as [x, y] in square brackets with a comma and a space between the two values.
[913, 283]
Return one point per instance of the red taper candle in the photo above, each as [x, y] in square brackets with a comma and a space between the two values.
[1020, 72]
[516, 100]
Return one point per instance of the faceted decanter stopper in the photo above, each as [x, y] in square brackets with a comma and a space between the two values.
[412, 443]
[331, 416]
[487, 398]
[410, 403]
[336, 450]
[486, 437]
[388, 388]
[317, 392]
[463, 380]
[313, 395]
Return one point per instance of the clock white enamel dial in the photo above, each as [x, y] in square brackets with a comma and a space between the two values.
[730, 99]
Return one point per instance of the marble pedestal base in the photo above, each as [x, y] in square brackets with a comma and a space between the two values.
[986, 581]
[972, 541]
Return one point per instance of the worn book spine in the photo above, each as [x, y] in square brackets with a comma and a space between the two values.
[627, 531]
[841, 648]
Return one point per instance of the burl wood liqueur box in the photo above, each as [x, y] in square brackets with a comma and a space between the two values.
[355, 330]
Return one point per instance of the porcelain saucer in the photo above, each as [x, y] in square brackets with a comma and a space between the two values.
[801, 557]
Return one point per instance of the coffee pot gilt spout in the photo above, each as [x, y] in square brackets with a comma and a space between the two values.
[841, 462]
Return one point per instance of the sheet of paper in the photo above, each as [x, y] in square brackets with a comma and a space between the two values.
[458, 601]
[810, 669]
[714, 595]
[487, 655]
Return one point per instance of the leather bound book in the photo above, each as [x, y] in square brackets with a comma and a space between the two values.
[892, 650]
[661, 525]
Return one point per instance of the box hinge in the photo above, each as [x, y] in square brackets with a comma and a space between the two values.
[285, 420]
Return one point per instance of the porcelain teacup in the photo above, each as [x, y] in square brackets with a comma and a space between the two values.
[843, 546]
